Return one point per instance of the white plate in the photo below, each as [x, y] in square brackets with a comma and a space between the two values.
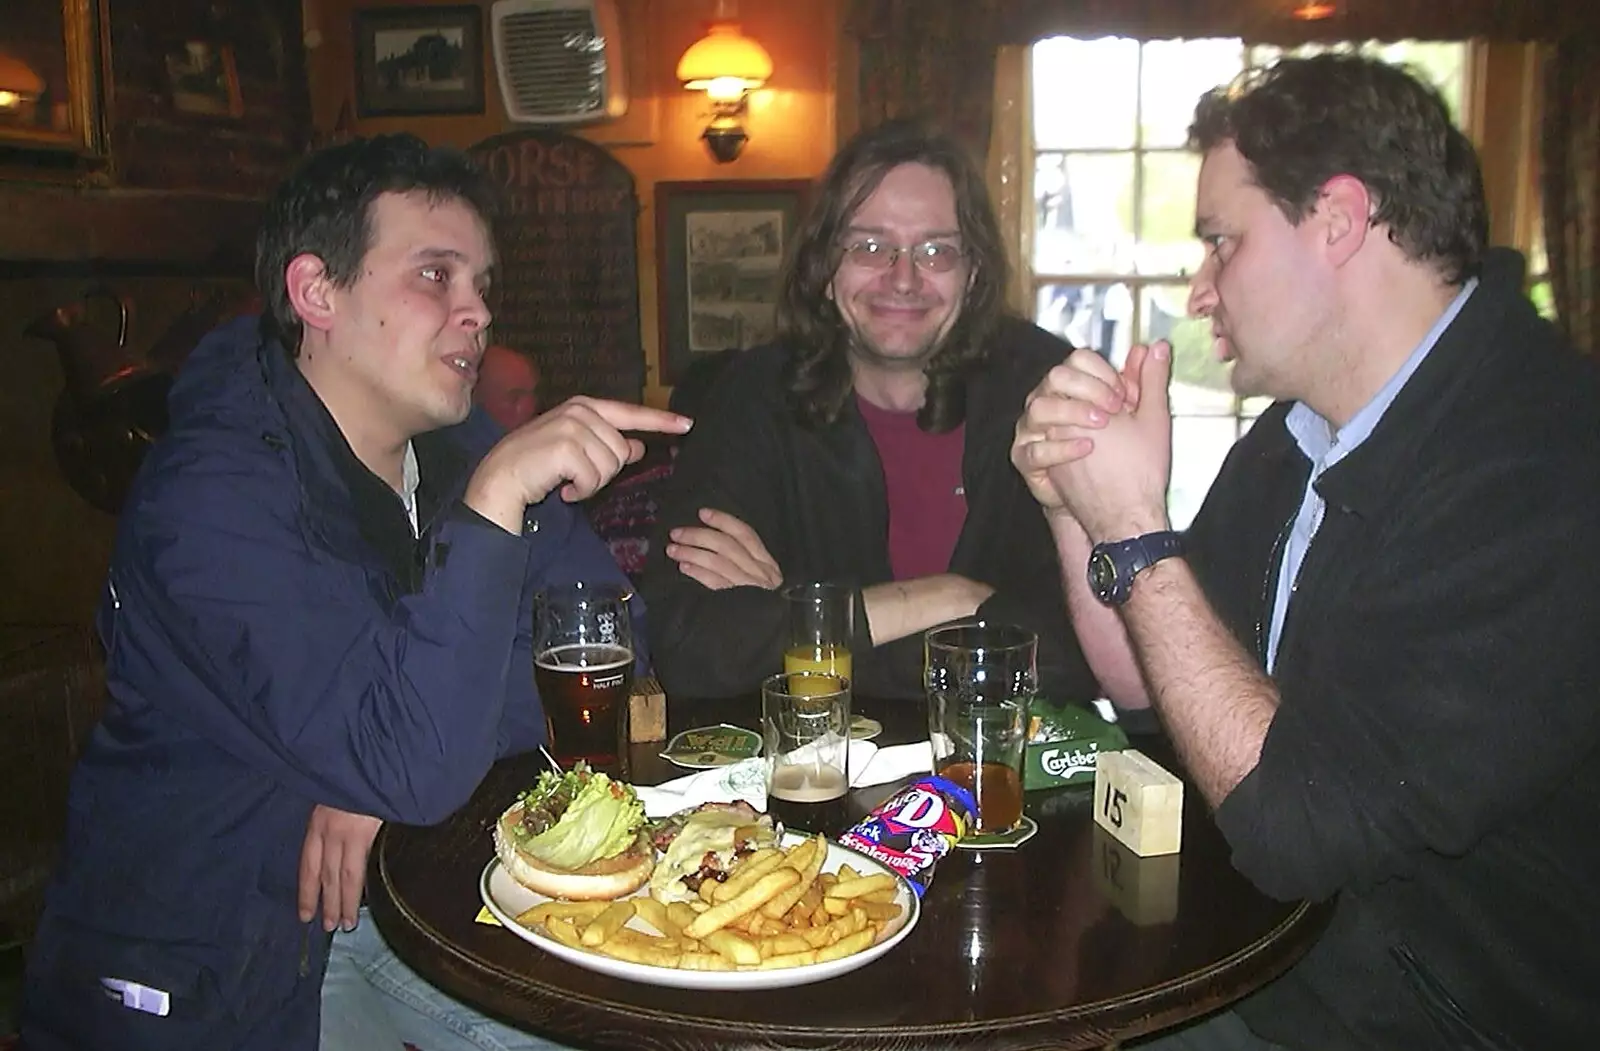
[507, 898]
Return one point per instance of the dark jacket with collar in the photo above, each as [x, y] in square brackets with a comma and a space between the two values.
[817, 499]
[264, 655]
[1435, 758]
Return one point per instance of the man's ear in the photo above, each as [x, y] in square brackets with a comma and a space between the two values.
[310, 291]
[1344, 208]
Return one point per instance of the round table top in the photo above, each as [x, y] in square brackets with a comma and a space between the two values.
[1068, 941]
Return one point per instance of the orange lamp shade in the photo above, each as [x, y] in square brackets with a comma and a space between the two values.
[724, 63]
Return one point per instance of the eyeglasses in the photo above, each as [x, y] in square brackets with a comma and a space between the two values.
[934, 257]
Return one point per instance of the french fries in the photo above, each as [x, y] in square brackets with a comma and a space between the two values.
[776, 909]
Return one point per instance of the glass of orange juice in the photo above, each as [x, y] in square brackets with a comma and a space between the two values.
[821, 618]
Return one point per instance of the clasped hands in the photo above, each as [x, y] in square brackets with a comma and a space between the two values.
[1095, 444]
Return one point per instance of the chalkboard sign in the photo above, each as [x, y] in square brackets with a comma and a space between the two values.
[567, 284]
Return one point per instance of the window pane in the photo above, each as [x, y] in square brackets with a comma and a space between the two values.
[1167, 244]
[1175, 74]
[1085, 93]
[1441, 64]
[1085, 213]
[1253, 407]
[1093, 316]
[1199, 381]
[1199, 445]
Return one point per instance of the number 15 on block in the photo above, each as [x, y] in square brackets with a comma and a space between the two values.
[1138, 802]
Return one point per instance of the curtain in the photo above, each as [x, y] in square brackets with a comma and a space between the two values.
[930, 59]
[1570, 156]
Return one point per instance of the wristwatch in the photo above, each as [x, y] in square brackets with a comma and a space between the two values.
[1113, 566]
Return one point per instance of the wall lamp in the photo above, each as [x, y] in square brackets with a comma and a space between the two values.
[20, 86]
[727, 66]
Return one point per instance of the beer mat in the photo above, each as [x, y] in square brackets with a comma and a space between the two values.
[863, 728]
[1024, 831]
[710, 746]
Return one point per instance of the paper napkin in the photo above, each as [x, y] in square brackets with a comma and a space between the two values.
[747, 779]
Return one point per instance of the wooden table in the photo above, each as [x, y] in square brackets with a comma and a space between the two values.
[1067, 942]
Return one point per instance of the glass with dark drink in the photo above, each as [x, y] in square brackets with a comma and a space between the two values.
[981, 679]
[805, 729]
[583, 666]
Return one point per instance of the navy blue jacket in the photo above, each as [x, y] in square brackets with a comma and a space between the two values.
[263, 658]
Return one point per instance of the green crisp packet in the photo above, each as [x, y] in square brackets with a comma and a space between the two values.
[1064, 743]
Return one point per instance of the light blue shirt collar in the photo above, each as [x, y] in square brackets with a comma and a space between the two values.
[1323, 447]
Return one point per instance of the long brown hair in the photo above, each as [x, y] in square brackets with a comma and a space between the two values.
[817, 375]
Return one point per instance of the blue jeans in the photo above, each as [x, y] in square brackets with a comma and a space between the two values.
[373, 1002]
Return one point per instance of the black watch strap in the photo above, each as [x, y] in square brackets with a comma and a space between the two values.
[1112, 566]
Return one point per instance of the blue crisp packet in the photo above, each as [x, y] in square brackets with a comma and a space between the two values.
[914, 828]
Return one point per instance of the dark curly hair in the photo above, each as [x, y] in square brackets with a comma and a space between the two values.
[325, 209]
[817, 375]
[1302, 121]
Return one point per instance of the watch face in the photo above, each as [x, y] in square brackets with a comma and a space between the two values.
[1102, 575]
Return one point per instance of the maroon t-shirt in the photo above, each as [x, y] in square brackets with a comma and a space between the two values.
[922, 474]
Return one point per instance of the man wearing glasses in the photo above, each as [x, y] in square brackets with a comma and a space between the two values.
[868, 445]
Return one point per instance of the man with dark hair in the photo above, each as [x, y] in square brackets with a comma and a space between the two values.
[317, 619]
[1375, 648]
[508, 386]
[867, 445]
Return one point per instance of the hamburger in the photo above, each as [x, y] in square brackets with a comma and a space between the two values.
[703, 843]
[579, 836]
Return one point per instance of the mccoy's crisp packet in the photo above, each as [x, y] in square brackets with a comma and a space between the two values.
[915, 827]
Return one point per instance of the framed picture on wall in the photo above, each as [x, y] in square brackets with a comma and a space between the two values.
[49, 72]
[720, 248]
[413, 61]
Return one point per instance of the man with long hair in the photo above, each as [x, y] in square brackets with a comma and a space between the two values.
[867, 444]
[1375, 648]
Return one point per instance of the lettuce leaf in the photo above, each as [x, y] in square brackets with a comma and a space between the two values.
[602, 821]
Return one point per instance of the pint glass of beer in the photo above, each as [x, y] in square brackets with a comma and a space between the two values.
[583, 666]
[821, 617]
[805, 730]
[981, 679]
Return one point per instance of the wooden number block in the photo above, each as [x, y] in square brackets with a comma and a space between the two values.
[1138, 802]
[1145, 890]
[647, 712]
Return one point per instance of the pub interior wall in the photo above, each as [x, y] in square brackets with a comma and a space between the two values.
[54, 547]
[791, 122]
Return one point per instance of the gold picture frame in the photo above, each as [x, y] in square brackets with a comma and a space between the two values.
[60, 42]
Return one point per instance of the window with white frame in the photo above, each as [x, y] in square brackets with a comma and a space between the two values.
[1113, 219]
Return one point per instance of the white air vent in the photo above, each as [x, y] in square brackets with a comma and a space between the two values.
[559, 61]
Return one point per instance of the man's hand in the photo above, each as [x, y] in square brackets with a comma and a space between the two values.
[1120, 489]
[1073, 400]
[333, 865]
[578, 445]
[723, 553]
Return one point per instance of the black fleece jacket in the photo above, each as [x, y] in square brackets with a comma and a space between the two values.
[816, 497]
[1435, 758]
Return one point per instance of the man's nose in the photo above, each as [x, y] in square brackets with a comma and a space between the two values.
[903, 272]
[1202, 292]
[475, 311]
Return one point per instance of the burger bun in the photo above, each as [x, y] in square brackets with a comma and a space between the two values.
[600, 880]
